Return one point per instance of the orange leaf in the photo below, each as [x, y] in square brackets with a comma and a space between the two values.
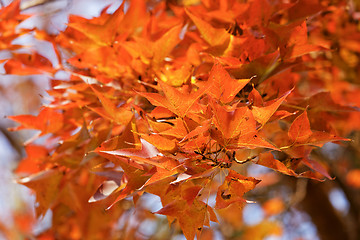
[233, 189]
[317, 167]
[17, 68]
[160, 142]
[46, 186]
[147, 150]
[36, 154]
[251, 141]
[28, 64]
[268, 160]
[135, 180]
[198, 130]
[299, 130]
[263, 114]
[48, 121]
[191, 217]
[210, 34]
[127, 140]
[172, 209]
[167, 167]
[176, 101]
[190, 193]
[233, 123]
[102, 34]
[163, 46]
[224, 88]
[120, 115]
[178, 130]
[10, 11]
[135, 18]
[319, 138]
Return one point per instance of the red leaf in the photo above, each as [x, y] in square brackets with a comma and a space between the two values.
[299, 130]
[317, 167]
[268, 160]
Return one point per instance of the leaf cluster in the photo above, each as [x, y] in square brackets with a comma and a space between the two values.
[176, 99]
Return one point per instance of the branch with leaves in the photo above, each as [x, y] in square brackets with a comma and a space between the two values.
[176, 100]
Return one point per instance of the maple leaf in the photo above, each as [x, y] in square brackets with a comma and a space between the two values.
[181, 202]
[10, 17]
[104, 61]
[174, 128]
[104, 34]
[36, 155]
[132, 180]
[166, 167]
[319, 138]
[28, 64]
[301, 134]
[224, 88]
[119, 115]
[176, 76]
[12, 10]
[232, 123]
[323, 101]
[299, 130]
[160, 142]
[112, 183]
[48, 121]
[45, 184]
[198, 130]
[304, 8]
[174, 100]
[127, 144]
[268, 160]
[135, 18]
[263, 114]
[210, 34]
[294, 40]
[163, 46]
[317, 167]
[193, 60]
[191, 218]
[256, 99]
[250, 141]
[233, 189]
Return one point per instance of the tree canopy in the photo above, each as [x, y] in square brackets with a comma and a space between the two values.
[177, 102]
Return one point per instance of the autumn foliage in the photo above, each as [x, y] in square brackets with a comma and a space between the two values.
[177, 99]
